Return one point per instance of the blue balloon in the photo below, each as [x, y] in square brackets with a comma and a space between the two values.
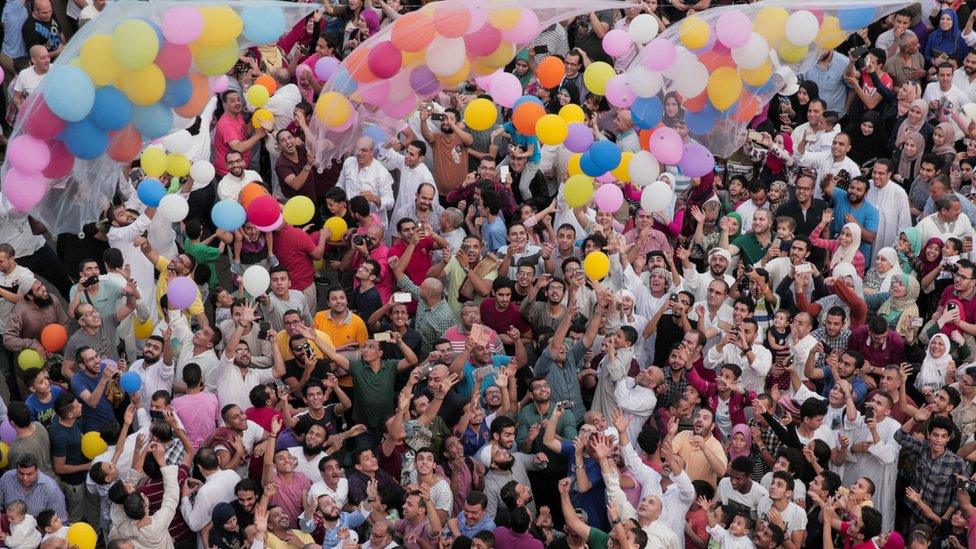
[112, 109]
[605, 156]
[588, 166]
[852, 19]
[228, 215]
[153, 121]
[768, 88]
[84, 139]
[130, 382]
[69, 92]
[151, 191]
[377, 134]
[647, 112]
[701, 122]
[177, 93]
[263, 24]
[525, 98]
[343, 82]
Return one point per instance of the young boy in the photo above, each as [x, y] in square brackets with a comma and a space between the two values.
[777, 341]
[50, 525]
[737, 534]
[23, 527]
[43, 396]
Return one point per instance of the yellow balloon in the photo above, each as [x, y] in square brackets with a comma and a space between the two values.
[572, 113]
[98, 61]
[413, 58]
[29, 359]
[458, 77]
[134, 43]
[141, 329]
[177, 165]
[153, 161]
[4, 454]
[830, 35]
[694, 33]
[497, 59]
[551, 129]
[92, 444]
[480, 114]
[791, 53]
[82, 535]
[257, 95]
[318, 264]
[596, 265]
[504, 19]
[770, 23]
[144, 86]
[333, 109]
[724, 87]
[337, 226]
[215, 60]
[596, 77]
[573, 166]
[622, 171]
[220, 25]
[578, 190]
[758, 76]
[298, 210]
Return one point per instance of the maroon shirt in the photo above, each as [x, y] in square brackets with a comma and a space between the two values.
[891, 352]
[501, 321]
[153, 490]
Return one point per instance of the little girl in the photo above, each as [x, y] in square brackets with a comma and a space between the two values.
[777, 341]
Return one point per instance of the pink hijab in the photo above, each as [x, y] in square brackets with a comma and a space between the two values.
[747, 433]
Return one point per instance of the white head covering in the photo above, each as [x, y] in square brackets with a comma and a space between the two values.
[933, 371]
[846, 254]
[891, 255]
[843, 270]
[720, 252]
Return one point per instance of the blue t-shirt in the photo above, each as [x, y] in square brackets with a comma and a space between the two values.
[866, 215]
[466, 385]
[593, 501]
[44, 412]
[858, 386]
[495, 233]
[525, 141]
[92, 419]
[66, 443]
[14, 17]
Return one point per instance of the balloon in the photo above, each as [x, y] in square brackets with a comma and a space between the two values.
[644, 168]
[182, 25]
[758, 76]
[257, 95]
[445, 56]
[228, 215]
[588, 166]
[753, 54]
[656, 197]
[526, 115]
[174, 60]
[4, 450]
[619, 93]
[480, 114]
[505, 18]
[333, 109]
[702, 121]
[733, 29]
[92, 446]
[647, 112]
[134, 43]
[802, 27]
[605, 155]
[177, 165]
[579, 137]
[551, 71]
[852, 19]
[451, 20]
[696, 160]
[42, 122]
[28, 154]
[596, 265]
[181, 292]
[81, 534]
[150, 192]
[643, 28]
[578, 190]
[616, 42]
[250, 192]
[573, 165]
[483, 41]
[384, 60]
[524, 30]
[505, 89]
[62, 161]
[694, 32]
[130, 382]
[141, 329]
[337, 227]
[622, 171]
[69, 92]
[666, 146]
[425, 82]
[178, 142]
[173, 208]
[200, 96]
[551, 129]
[596, 76]
[256, 280]
[98, 61]
[54, 337]
[112, 109]
[692, 80]
[84, 139]
[298, 210]
[792, 53]
[413, 31]
[216, 59]
[724, 87]
[202, 171]
[153, 121]
[125, 144]
[263, 210]
[261, 117]
[7, 432]
[572, 113]
[830, 35]
[659, 54]
[272, 227]
[325, 67]
[263, 24]
[153, 161]
[608, 198]
[23, 190]
[770, 23]
[144, 86]
[220, 25]
[643, 81]
[28, 359]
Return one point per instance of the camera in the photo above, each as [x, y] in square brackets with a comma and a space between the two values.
[264, 326]
[359, 240]
[747, 268]
[307, 349]
[950, 267]
[90, 281]
[858, 54]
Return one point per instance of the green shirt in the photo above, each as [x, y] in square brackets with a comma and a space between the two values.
[597, 539]
[750, 249]
[529, 414]
[374, 392]
[206, 254]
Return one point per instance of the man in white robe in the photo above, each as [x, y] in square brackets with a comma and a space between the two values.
[892, 203]
[874, 453]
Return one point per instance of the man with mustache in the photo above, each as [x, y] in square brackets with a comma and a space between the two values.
[850, 207]
[31, 314]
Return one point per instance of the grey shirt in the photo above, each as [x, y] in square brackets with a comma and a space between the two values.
[563, 380]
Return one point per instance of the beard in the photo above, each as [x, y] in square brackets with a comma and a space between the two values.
[850, 198]
[311, 451]
[149, 360]
[717, 270]
[43, 302]
[446, 129]
[330, 517]
[505, 465]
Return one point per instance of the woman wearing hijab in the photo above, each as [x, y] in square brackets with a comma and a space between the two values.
[935, 365]
[567, 93]
[868, 139]
[808, 92]
[928, 266]
[844, 248]
[944, 142]
[225, 533]
[909, 158]
[913, 121]
[901, 307]
[945, 41]
[672, 109]
[740, 445]
[848, 291]
[520, 68]
[878, 278]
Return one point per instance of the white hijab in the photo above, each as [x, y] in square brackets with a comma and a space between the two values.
[846, 254]
[933, 370]
[891, 255]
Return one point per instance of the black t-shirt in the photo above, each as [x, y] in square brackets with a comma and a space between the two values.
[581, 35]
[295, 370]
[329, 421]
[47, 34]
[669, 334]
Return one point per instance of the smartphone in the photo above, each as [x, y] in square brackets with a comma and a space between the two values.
[868, 413]
[484, 371]
[951, 306]
[503, 172]
[541, 48]
[155, 415]
[425, 370]
[755, 136]
[827, 349]
[264, 326]
[402, 297]
[382, 336]
[465, 247]
[309, 352]
[480, 335]
[917, 322]
[438, 116]
[803, 268]
[954, 169]
[279, 385]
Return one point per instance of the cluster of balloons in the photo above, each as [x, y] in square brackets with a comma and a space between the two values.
[168, 157]
[257, 96]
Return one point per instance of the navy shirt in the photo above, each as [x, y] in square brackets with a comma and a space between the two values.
[92, 419]
[66, 443]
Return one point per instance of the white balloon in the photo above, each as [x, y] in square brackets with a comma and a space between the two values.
[173, 208]
[644, 82]
[644, 168]
[256, 280]
[753, 54]
[178, 142]
[446, 56]
[692, 80]
[802, 27]
[656, 197]
[202, 171]
[682, 59]
[643, 28]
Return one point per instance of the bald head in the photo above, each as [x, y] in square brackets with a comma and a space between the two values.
[42, 10]
[364, 151]
[40, 58]
[432, 289]
[375, 231]
[281, 76]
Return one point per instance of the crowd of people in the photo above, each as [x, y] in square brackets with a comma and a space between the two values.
[783, 358]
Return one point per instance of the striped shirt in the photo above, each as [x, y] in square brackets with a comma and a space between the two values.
[43, 494]
[153, 490]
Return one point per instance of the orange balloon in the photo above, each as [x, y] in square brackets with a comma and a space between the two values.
[749, 107]
[413, 31]
[452, 21]
[270, 83]
[696, 103]
[358, 65]
[526, 115]
[198, 100]
[125, 144]
[714, 60]
[551, 71]
[250, 192]
[645, 139]
[54, 337]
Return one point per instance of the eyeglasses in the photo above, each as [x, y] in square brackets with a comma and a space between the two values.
[961, 277]
[373, 345]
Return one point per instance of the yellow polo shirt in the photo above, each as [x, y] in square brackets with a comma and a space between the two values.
[162, 285]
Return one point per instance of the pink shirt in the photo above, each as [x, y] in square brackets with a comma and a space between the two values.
[200, 414]
[229, 128]
[289, 495]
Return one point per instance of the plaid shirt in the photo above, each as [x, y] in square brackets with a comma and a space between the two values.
[430, 322]
[675, 388]
[174, 452]
[934, 478]
[769, 438]
[839, 343]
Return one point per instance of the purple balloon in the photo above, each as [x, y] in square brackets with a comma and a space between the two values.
[580, 137]
[325, 67]
[7, 432]
[423, 81]
[181, 292]
[696, 160]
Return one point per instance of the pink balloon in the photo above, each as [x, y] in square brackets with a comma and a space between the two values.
[62, 161]
[375, 93]
[23, 190]
[659, 54]
[274, 226]
[616, 42]
[41, 122]
[525, 30]
[219, 83]
[174, 60]
[483, 41]
[608, 197]
[384, 60]
[479, 16]
[606, 178]
[505, 89]
[402, 108]
[666, 146]
[182, 25]
[28, 154]
[733, 29]
[2, 75]
[619, 93]
[484, 82]
[263, 210]
[181, 292]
